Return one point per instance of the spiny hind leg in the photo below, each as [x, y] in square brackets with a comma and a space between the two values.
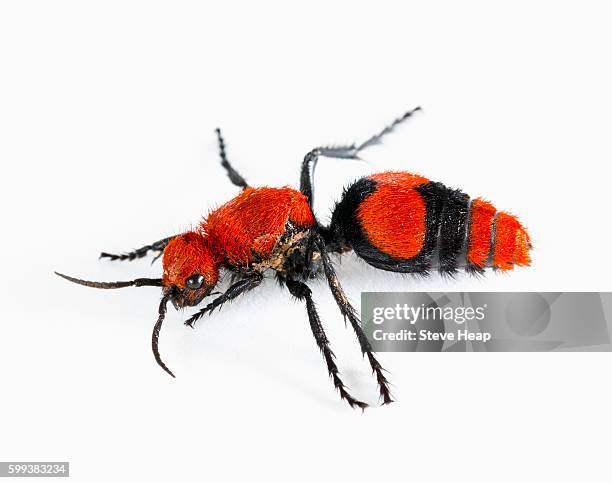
[301, 291]
[350, 151]
[350, 313]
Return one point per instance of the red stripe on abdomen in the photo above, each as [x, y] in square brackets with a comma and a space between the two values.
[482, 214]
[511, 244]
[393, 218]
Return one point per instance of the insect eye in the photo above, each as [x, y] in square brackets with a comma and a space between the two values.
[195, 281]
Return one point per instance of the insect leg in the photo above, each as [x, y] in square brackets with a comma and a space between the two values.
[233, 175]
[244, 285]
[142, 252]
[301, 291]
[348, 152]
[350, 313]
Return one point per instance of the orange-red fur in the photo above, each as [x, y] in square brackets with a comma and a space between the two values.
[481, 222]
[393, 217]
[511, 242]
[251, 222]
[254, 220]
[511, 246]
[187, 254]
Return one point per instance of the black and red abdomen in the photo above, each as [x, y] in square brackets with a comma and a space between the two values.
[402, 222]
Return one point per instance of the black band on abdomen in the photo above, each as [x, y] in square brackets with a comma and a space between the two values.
[435, 195]
[453, 226]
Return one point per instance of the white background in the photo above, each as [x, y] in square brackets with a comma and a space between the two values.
[107, 112]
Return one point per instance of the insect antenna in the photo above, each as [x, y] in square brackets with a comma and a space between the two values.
[163, 305]
[137, 282]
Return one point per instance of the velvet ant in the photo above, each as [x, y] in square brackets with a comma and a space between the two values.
[394, 221]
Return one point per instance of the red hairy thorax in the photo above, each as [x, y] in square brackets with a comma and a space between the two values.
[188, 254]
[252, 222]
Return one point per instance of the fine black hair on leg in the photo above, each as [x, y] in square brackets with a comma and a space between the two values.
[233, 175]
[142, 252]
[307, 175]
[240, 287]
[301, 291]
[348, 152]
[349, 313]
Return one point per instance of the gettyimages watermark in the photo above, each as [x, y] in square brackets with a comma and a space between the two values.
[487, 321]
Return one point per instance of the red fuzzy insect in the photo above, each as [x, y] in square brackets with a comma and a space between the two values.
[394, 221]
